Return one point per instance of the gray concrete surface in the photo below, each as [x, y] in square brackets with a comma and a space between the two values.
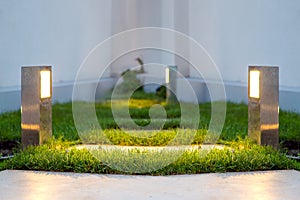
[53, 185]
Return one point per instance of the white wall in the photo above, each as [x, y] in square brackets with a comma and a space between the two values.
[239, 33]
[55, 32]
[130, 14]
[48, 32]
[236, 33]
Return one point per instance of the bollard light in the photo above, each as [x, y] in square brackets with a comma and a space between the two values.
[36, 109]
[263, 96]
[171, 81]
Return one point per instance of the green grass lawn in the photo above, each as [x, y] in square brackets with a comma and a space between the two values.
[235, 124]
[241, 156]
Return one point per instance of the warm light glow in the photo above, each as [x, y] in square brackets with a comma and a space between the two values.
[265, 127]
[167, 74]
[254, 84]
[45, 84]
[35, 127]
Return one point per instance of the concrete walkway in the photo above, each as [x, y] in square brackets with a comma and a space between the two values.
[52, 185]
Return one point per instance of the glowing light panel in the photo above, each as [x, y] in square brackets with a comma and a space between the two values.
[167, 74]
[45, 84]
[254, 84]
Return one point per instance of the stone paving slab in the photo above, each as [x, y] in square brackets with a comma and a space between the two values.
[55, 185]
